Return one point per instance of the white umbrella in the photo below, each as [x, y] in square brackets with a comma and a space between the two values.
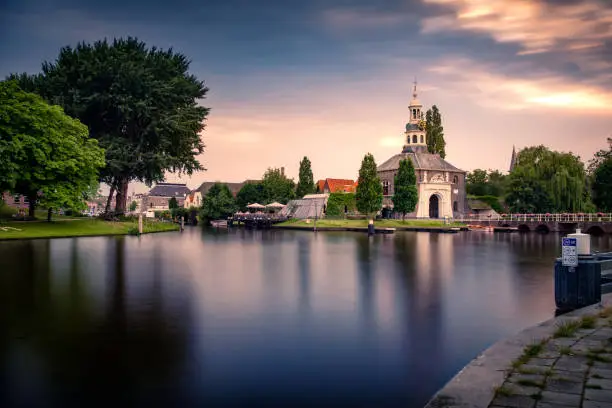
[275, 205]
[256, 205]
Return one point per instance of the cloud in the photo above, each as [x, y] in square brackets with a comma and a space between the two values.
[489, 88]
[361, 18]
[536, 26]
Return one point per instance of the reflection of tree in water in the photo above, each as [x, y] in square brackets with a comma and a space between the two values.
[303, 258]
[366, 255]
[425, 353]
[99, 358]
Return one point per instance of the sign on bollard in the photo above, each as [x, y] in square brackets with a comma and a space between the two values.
[569, 254]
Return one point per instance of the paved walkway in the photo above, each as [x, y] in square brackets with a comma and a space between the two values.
[573, 368]
[562, 363]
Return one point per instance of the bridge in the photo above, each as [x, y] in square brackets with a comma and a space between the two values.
[595, 224]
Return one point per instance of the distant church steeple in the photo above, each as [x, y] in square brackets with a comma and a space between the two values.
[513, 159]
[416, 139]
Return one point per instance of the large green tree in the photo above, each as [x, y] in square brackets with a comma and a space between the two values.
[405, 195]
[486, 183]
[306, 180]
[250, 193]
[602, 185]
[218, 203]
[476, 182]
[45, 155]
[277, 187]
[546, 180]
[435, 132]
[140, 103]
[369, 195]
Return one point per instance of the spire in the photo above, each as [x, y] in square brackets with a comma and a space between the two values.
[414, 91]
[513, 159]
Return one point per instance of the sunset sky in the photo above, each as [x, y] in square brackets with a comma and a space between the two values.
[331, 79]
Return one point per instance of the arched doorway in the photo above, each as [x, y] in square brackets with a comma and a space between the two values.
[434, 204]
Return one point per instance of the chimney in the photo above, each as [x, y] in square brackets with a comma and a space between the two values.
[282, 171]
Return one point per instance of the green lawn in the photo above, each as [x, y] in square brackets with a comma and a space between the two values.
[323, 223]
[81, 227]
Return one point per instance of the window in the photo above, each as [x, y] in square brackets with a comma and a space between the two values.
[414, 113]
[455, 206]
[17, 199]
[151, 206]
[421, 138]
[385, 187]
[408, 139]
[455, 179]
[414, 138]
[25, 200]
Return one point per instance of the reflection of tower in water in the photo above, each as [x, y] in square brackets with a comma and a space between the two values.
[423, 260]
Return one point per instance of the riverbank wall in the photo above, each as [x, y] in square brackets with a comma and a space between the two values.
[384, 230]
[478, 384]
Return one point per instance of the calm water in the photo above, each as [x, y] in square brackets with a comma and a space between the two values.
[272, 318]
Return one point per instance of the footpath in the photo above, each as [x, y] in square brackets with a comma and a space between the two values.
[562, 363]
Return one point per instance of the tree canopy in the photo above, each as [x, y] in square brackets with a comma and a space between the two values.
[405, 195]
[277, 187]
[45, 155]
[218, 203]
[140, 103]
[435, 132]
[306, 183]
[486, 183]
[250, 193]
[369, 195]
[602, 185]
[546, 181]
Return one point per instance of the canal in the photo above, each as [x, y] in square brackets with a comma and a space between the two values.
[261, 318]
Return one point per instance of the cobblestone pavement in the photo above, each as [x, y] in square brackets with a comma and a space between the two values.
[571, 369]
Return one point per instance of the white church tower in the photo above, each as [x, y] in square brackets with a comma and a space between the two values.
[416, 138]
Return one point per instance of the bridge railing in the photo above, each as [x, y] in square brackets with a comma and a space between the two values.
[577, 217]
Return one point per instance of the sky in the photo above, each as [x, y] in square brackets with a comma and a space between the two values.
[332, 79]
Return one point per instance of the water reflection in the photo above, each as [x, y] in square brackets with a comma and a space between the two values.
[261, 318]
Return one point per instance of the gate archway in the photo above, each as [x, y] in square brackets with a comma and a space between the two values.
[434, 206]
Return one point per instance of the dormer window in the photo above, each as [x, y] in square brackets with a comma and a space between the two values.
[414, 139]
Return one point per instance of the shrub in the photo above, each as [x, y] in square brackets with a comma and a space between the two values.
[492, 201]
[133, 231]
[337, 202]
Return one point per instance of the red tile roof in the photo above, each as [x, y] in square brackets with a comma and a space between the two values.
[340, 185]
[320, 185]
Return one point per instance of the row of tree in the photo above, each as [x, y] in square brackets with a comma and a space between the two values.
[219, 202]
[139, 105]
[544, 181]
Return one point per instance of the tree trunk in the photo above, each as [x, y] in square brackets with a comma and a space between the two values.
[403, 217]
[121, 200]
[110, 197]
[32, 206]
[49, 213]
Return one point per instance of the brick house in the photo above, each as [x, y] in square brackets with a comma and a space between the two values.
[159, 196]
[330, 185]
[15, 201]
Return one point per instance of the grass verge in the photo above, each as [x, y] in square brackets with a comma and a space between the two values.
[86, 227]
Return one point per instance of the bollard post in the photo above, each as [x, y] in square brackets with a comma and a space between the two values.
[577, 274]
[182, 223]
[140, 223]
[371, 230]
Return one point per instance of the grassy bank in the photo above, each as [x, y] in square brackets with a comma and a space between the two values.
[325, 223]
[77, 228]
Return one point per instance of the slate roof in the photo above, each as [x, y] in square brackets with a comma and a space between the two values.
[412, 126]
[169, 190]
[421, 161]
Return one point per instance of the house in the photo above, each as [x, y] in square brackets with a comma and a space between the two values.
[481, 209]
[158, 198]
[330, 185]
[193, 199]
[440, 185]
[15, 201]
